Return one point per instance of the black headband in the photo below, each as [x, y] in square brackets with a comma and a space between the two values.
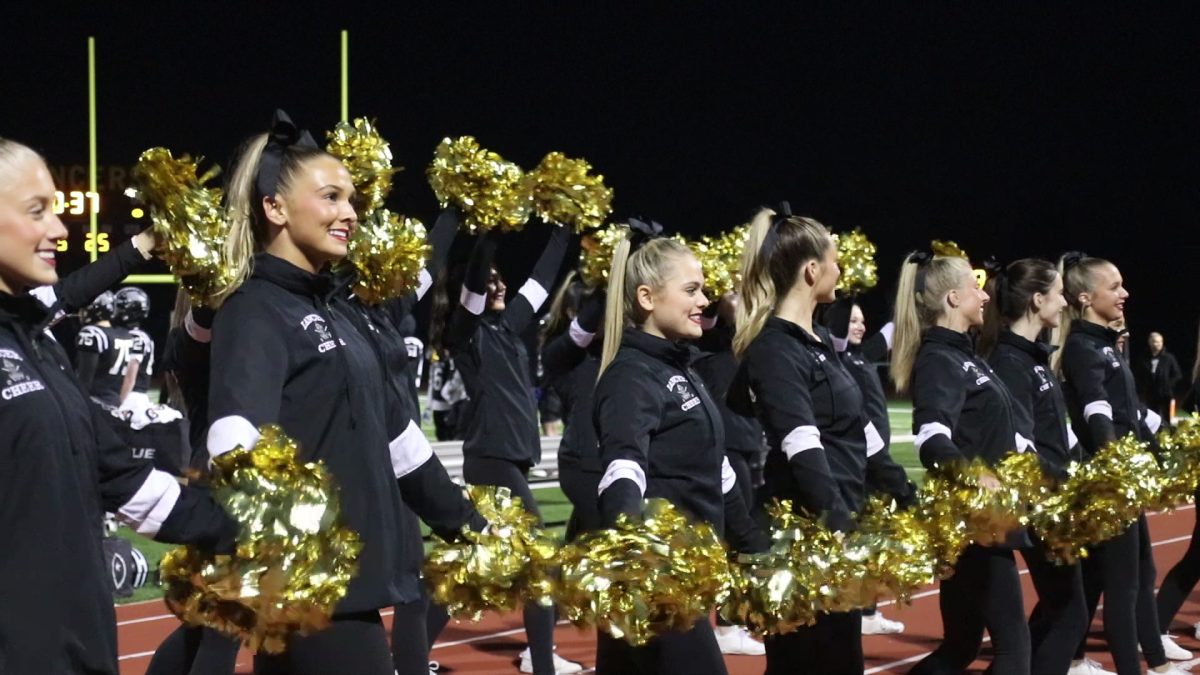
[284, 134]
[782, 213]
[921, 259]
[1072, 259]
[998, 271]
[641, 232]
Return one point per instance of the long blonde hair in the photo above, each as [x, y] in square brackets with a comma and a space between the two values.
[647, 266]
[767, 276]
[1078, 275]
[919, 306]
[247, 222]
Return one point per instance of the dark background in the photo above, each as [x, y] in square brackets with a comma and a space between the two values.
[1026, 129]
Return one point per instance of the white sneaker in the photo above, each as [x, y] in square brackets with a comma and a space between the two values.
[561, 665]
[1196, 628]
[878, 624]
[1087, 667]
[1174, 651]
[434, 666]
[1171, 669]
[737, 640]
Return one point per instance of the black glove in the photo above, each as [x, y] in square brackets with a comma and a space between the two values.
[591, 311]
[837, 317]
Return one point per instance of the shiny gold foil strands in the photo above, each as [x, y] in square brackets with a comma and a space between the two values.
[294, 558]
[856, 258]
[367, 157]
[721, 259]
[895, 553]
[564, 191]
[489, 191]
[595, 256]
[958, 510]
[188, 219]
[645, 577]
[1179, 460]
[948, 249]
[1099, 500]
[501, 569]
[388, 252]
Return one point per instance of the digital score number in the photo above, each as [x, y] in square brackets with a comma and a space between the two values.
[76, 202]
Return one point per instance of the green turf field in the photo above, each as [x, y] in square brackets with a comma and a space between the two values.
[551, 500]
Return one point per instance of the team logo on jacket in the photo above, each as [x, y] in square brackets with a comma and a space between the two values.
[17, 383]
[682, 388]
[1044, 381]
[1112, 358]
[315, 324]
[975, 371]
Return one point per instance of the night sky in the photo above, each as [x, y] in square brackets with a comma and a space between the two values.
[1018, 129]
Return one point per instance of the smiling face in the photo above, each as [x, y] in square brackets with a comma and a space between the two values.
[967, 300]
[496, 289]
[858, 325]
[674, 310]
[314, 214]
[1106, 299]
[1049, 306]
[29, 229]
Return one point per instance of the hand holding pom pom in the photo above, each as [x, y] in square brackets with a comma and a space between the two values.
[488, 190]
[564, 192]
[388, 252]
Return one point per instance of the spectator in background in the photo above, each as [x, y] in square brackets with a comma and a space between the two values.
[1158, 376]
[1192, 398]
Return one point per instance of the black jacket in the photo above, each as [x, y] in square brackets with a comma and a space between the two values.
[812, 413]
[187, 355]
[717, 366]
[1041, 411]
[61, 469]
[284, 351]
[571, 371]
[883, 473]
[1099, 387]
[961, 409]
[661, 436]
[1159, 382]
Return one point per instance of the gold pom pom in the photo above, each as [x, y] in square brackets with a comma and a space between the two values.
[893, 552]
[721, 259]
[489, 191]
[188, 220]
[1099, 500]
[644, 577]
[294, 559]
[500, 569]
[856, 258]
[367, 157]
[563, 192]
[388, 252]
[595, 256]
[1179, 459]
[958, 510]
[947, 249]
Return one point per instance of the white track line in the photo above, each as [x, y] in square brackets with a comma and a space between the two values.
[388, 612]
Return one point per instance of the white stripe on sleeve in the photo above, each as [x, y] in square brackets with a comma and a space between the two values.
[1023, 444]
[623, 468]
[929, 430]
[579, 336]
[151, 504]
[1098, 408]
[1153, 421]
[424, 283]
[728, 476]
[228, 433]
[874, 440]
[475, 303]
[409, 450]
[1072, 439]
[806, 437]
[889, 333]
[534, 293]
[199, 333]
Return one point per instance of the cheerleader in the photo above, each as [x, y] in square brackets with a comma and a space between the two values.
[791, 379]
[1102, 400]
[860, 355]
[501, 440]
[288, 349]
[1027, 299]
[961, 411]
[744, 445]
[571, 364]
[660, 432]
[63, 467]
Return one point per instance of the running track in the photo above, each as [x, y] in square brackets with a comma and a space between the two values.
[492, 645]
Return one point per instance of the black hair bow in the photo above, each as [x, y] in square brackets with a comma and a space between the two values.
[782, 213]
[284, 134]
[641, 232]
[1072, 258]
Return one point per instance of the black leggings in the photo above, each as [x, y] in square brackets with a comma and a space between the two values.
[831, 646]
[692, 653]
[1122, 568]
[354, 644]
[189, 650]
[539, 621]
[582, 488]
[1060, 619]
[415, 627]
[1180, 581]
[985, 592]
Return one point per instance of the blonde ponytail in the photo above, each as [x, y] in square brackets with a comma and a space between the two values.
[919, 306]
[758, 294]
[241, 242]
[650, 266]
